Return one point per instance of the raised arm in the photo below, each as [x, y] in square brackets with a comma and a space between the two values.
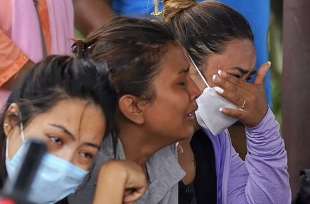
[263, 177]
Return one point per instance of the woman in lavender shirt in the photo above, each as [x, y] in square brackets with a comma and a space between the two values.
[220, 41]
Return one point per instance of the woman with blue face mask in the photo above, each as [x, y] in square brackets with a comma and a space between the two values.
[64, 102]
[221, 45]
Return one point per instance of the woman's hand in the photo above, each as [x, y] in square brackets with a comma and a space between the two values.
[250, 98]
[120, 182]
[136, 182]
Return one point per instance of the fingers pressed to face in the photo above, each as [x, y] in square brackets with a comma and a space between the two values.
[231, 91]
[238, 82]
[262, 73]
[235, 113]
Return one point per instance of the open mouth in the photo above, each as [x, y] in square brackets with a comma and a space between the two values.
[191, 115]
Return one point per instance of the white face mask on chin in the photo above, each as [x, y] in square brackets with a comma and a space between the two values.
[208, 113]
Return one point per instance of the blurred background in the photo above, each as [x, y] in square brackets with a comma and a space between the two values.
[276, 54]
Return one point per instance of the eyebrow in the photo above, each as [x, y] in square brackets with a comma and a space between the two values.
[92, 145]
[64, 130]
[72, 136]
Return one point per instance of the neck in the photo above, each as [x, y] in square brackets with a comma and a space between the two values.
[138, 145]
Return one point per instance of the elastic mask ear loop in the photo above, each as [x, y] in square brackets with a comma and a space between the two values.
[22, 130]
[199, 72]
[22, 135]
[7, 148]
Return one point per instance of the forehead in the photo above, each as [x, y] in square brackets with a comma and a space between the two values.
[82, 118]
[237, 53]
[174, 60]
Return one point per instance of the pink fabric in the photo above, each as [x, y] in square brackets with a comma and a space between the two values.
[61, 15]
[19, 20]
[26, 30]
[3, 97]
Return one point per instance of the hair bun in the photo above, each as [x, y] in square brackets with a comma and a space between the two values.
[174, 7]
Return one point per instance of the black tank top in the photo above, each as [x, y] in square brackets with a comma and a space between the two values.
[204, 188]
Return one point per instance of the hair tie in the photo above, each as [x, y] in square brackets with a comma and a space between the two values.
[81, 49]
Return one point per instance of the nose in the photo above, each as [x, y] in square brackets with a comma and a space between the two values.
[65, 154]
[194, 90]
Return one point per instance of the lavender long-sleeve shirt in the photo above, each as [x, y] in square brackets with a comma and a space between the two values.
[261, 179]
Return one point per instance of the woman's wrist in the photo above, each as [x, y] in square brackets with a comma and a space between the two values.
[261, 123]
[111, 183]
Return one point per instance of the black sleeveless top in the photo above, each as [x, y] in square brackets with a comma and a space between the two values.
[204, 188]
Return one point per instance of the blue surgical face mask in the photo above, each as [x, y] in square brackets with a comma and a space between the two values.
[56, 178]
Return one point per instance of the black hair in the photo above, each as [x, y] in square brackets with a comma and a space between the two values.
[205, 28]
[54, 79]
[133, 49]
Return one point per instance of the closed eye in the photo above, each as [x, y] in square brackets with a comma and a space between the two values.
[236, 75]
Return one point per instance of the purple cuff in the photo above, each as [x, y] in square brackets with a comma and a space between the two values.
[268, 122]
